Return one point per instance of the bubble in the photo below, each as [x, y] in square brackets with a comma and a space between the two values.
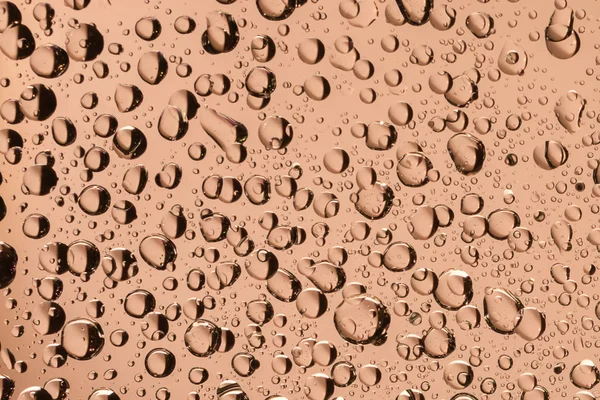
[197, 151]
[284, 286]
[135, 179]
[138, 303]
[393, 78]
[221, 34]
[303, 199]
[94, 200]
[317, 87]
[311, 303]
[520, 239]
[36, 226]
[282, 237]
[123, 212]
[174, 224]
[105, 125]
[48, 318]
[281, 364]
[569, 110]
[39, 180]
[96, 159]
[8, 264]
[50, 288]
[488, 386]
[173, 124]
[158, 251]
[467, 153]
[11, 16]
[346, 55]
[539, 392]
[82, 257]
[416, 12]
[160, 363]
[49, 61]
[380, 136]
[533, 324]
[193, 308]
[119, 264]
[104, 394]
[262, 48]
[343, 374]
[399, 257]
[502, 310]
[454, 289]
[257, 189]
[224, 275]
[37, 102]
[463, 396]
[323, 274]
[57, 388]
[480, 24]
[439, 343]
[63, 131]
[184, 25]
[502, 222]
[276, 10]
[442, 17]
[336, 160]
[17, 41]
[311, 51]
[369, 374]
[326, 205]
[148, 28]
[361, 319]
[82, 338]
[34, 392]
[400, 113]
[202, 338]
[423, 223]
[77, 4]
[169, 177]
[226, 132]
[302, 354]
[562, 40]
[152, 67]
[585, 375]
[275, 133]
[100, 69]
[458, 374]
[261, 82]
[230, 390]
[513, 59]
[214, 227]
[9, 139]
[84, 43]
[422, 55]
[410, 347]
[244, 364]
[462, 92]
[319, 387]
[128, 97]
[119, 337]
[198, 375]
[259, 311]
[413, 169]
[129, 143]
[410, 394]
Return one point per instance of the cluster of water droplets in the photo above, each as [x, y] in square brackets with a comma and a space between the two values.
[299, 199]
